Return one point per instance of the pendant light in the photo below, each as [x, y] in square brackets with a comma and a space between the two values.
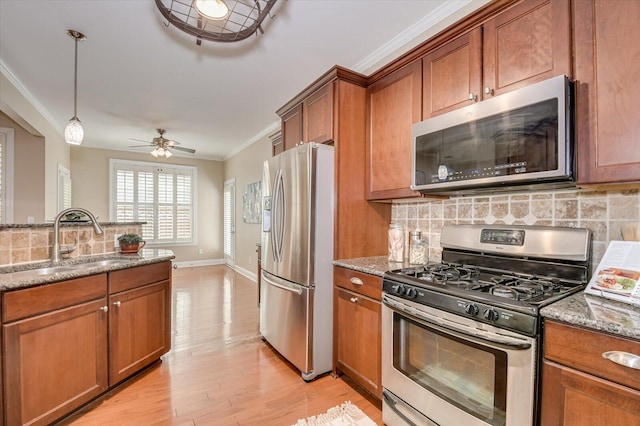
[74, 133]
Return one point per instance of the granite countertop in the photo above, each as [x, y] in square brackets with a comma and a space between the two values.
[596, 313]
[579, 309]
[375, 265]
[21, 276]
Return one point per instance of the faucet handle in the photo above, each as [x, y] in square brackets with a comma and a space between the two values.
[69, 249]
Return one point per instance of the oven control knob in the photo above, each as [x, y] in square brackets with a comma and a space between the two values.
[411, 293]
[491, 315]
[399, 290]
[471, 309]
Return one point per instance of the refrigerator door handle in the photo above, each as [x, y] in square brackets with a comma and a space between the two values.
[279, 215]
[275, 207]
[292, 289]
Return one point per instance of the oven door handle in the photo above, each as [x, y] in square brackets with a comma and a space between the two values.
[500, 339]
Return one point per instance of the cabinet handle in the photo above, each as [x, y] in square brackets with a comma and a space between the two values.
[354, 299]
[104, 309]
[623, 358]
[473, 97]
[117, 303]
[356, 281]
[488, 91]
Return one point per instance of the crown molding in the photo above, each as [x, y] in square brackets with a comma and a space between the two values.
[9, 75]
[426, 27]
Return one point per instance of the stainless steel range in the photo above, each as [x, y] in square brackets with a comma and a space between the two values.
[461, 339]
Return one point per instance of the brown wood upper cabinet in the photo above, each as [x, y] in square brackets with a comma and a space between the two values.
[394, 105]
[608, 91]
[524, 44]
[311, 120]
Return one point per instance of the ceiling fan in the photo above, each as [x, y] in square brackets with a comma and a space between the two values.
[162, 146]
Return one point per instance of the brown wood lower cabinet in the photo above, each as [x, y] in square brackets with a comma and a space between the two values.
[580, 387]
[54, 361]
[66, 343]
[139, 328]
[357, 333]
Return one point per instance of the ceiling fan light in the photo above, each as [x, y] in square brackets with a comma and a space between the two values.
[167, 153]
[155, 152]
[74, 133]
[212, 9]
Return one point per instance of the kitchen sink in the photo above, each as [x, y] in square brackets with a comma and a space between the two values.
[60, 269]
[51, 270]
[100, 263]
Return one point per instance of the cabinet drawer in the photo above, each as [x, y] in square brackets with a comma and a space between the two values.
[126, 279]
[365, 284]
[582, 350]
[37, 300]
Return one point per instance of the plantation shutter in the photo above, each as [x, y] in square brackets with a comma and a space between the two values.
[161, 196]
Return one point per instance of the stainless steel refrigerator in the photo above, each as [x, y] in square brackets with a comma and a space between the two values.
[296, 298]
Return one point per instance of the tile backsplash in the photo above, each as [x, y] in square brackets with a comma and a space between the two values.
[25, 244]
[603, 212]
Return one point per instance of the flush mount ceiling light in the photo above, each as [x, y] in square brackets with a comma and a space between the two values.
[216, 20]
[74, 133]
[212, 9]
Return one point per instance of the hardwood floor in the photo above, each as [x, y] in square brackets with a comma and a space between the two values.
[219, 371]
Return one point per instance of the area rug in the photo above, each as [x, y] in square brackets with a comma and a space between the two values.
[345, 414]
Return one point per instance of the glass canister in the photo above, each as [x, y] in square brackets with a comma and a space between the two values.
[417, 249]
[396, 242]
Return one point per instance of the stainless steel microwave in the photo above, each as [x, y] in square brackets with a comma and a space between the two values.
[520, 140]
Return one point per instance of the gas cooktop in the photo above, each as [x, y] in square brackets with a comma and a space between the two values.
[498, 274]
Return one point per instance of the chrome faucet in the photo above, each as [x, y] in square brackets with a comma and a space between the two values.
[56, 229]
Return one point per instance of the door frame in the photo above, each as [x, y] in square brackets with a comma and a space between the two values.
[229, 228]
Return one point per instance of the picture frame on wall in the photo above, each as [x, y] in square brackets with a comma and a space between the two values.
[252, 203]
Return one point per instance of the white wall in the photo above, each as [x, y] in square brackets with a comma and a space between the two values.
[19, 108]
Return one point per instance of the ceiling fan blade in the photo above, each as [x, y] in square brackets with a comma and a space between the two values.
[140, 140]
[179, 148]
[141, 146]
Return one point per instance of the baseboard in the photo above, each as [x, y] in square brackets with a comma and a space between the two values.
[192, 263]
[251, 275]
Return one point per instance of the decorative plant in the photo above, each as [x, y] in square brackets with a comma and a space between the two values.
[129, 239]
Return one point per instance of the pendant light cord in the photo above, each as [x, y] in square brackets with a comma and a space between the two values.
[75, 82]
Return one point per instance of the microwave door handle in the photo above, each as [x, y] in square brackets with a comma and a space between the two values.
[460, 328]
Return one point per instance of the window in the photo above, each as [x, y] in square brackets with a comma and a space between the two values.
[6, 174]
[158, 194]
[64, 188]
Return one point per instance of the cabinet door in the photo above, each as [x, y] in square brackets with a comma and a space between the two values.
[452, 75]
[292, 128]
[394, 106]
[317, 115]
[572, 398]
[608, 90]
[525, 44]
[359, 339]
[54, 363]
[139, 328]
